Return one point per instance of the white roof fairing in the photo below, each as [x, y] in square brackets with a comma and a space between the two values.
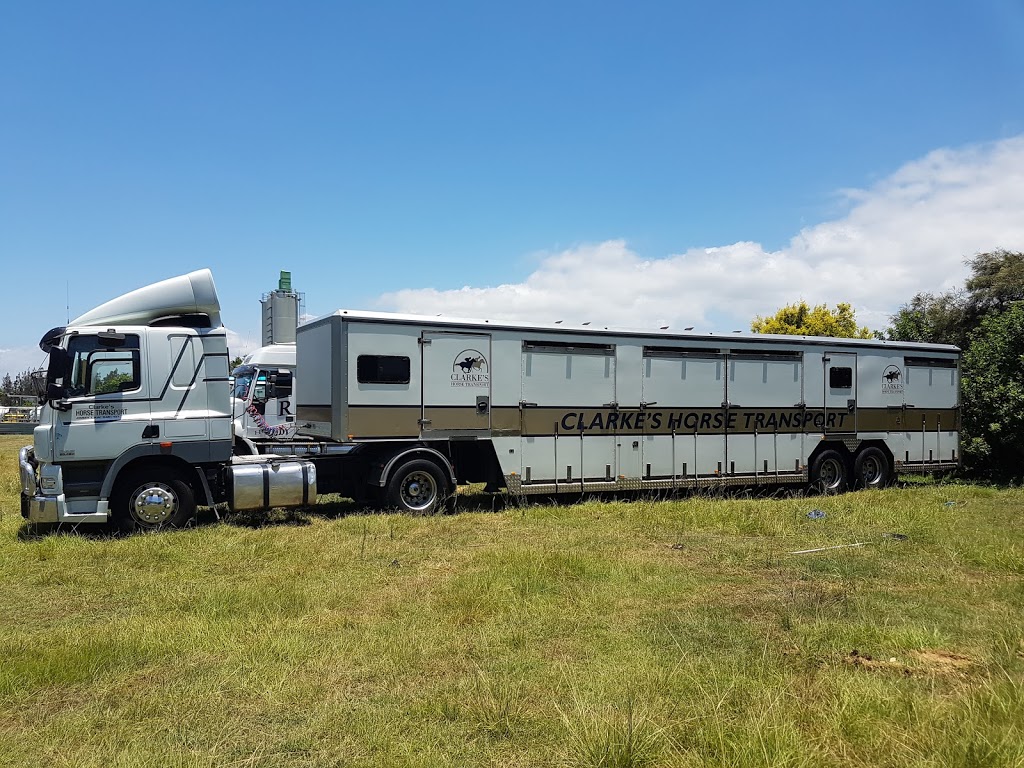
[189, 294]
[273, 355]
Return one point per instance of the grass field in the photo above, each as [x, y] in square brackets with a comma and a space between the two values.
[676, 633]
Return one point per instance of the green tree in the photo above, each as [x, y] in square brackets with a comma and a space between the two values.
[801, 320]
[21, 384]
[986, 320]
[996, 282]
[993, 396]
[931, 318]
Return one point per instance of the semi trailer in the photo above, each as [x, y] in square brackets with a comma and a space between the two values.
[397, 410]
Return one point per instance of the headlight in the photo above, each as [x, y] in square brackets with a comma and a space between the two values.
[48, 483]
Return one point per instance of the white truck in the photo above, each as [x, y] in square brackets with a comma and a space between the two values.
[263, 413]
[396, 410]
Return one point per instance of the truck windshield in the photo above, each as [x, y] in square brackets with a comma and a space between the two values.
[243, 380]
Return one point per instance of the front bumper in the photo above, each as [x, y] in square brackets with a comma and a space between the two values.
[35, 507]
[39, 509]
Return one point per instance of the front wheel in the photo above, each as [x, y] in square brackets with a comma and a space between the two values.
[417, 486]
[871, 468]
[153, 499]
[828, 473]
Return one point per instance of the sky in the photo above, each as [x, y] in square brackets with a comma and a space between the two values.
[631, 165]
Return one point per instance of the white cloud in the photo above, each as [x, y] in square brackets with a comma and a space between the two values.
[908, 233]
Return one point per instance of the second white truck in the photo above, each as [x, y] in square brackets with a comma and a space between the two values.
[262, 403]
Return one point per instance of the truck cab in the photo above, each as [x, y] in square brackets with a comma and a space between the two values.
[136, 409]
[261, 398]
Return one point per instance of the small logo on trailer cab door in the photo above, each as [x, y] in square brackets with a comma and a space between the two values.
[892, 381]
[470, 369]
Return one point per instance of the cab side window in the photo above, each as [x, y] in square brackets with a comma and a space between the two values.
[98, 370]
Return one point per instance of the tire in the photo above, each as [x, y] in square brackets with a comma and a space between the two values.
[829, 473]
[871, 468]
[152, 500]
[418, 486]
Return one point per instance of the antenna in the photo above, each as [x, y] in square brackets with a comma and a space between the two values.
[67, 296]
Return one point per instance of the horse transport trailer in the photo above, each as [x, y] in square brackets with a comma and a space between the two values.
[137, 422]
[424, 402]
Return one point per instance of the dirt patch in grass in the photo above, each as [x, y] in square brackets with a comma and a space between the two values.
[923, 662]
[944, 662]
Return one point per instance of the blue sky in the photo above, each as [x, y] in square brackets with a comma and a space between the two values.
[619, 161]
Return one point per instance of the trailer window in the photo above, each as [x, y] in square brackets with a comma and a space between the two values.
[840, 378]
[931, 362]
[382, 369]
[761, 355]
[705, 353]
[573, 347]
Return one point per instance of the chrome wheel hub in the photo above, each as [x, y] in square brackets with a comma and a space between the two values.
[419, 490]
[154, 504]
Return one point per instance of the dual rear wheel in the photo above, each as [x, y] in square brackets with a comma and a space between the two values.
[830, 471]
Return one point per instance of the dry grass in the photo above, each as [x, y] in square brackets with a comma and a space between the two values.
[598, 634]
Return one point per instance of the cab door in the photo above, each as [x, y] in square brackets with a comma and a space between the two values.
[107, 398]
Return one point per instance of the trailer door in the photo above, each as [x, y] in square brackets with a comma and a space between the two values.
[456, 384]
[840, 398]
[568, 429]
[765, 388]
[685, 386]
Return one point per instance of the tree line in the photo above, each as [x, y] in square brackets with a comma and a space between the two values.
[21, 384]
[985, 318]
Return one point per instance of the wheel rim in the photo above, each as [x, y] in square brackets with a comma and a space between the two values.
[831, 474]
[153, 504]
[419, 490]
[870, 470]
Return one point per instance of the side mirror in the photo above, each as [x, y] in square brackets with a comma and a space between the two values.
[280, 384]
[55, 397]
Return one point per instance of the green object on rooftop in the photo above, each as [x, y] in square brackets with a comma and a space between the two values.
[285, 283]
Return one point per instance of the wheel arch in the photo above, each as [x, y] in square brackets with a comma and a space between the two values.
[880, 445]
[141, 458]
[832, 445]
[243, 446]
[416, 452]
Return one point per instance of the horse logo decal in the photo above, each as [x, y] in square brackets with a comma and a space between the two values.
[470, 369]
[892, 381]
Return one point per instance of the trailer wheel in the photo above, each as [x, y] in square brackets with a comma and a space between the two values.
[828, 473]
[871, 468]
[153, 499]
[417, 486]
